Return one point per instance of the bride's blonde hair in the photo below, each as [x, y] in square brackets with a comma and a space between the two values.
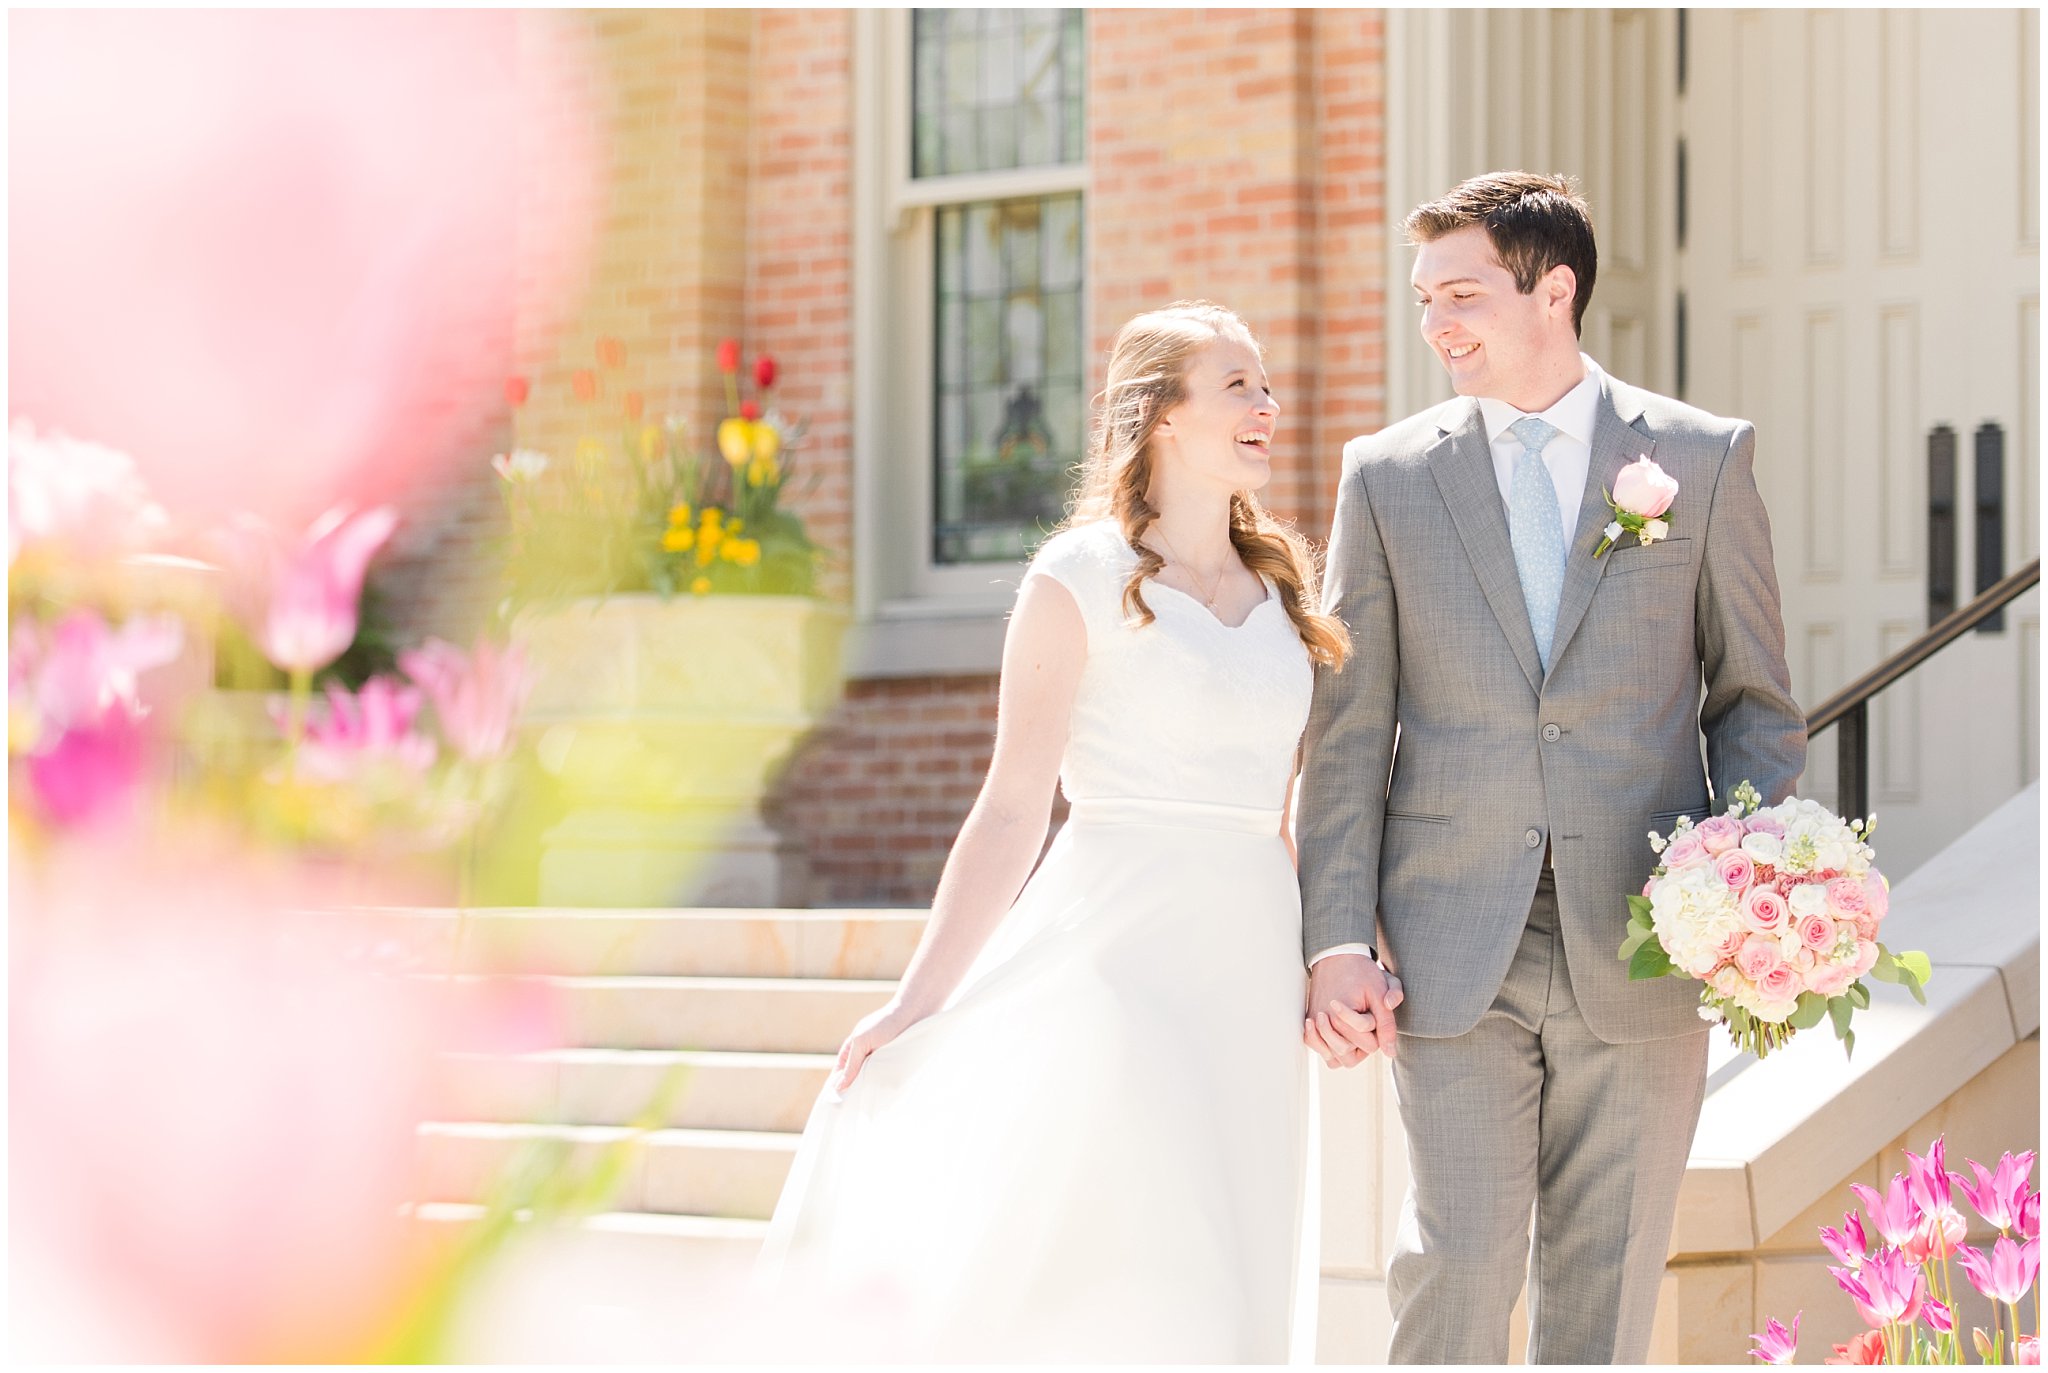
[1148, 377]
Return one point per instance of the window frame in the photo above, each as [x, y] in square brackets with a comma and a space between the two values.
[914, 616]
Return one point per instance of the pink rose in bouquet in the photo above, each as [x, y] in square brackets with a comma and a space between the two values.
[1765, 910]
[1719, 833]
[1817, 932]
[1684, 850]
[1737, 869]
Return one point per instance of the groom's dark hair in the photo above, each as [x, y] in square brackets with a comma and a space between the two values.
[1535, 223]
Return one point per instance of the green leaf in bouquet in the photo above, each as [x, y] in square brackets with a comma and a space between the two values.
[1919, 965]
[1859, 995]
[1840, 1008]
[1637, 937]
[1811, 1010]
[1639, 911]
[1649, 961]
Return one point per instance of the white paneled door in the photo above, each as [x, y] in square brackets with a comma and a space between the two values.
[1859, 256]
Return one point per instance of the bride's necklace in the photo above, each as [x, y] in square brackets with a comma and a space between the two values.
[1222, 570]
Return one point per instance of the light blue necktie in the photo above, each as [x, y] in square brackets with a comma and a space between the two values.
[1537, 531]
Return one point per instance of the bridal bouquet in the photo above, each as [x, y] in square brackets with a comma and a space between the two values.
[1775, 909]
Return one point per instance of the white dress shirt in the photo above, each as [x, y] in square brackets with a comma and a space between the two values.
[1569, 457]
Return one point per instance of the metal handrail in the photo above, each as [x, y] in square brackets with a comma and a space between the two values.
[1849, 708]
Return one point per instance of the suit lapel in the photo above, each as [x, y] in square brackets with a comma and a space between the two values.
[1616, 444]
[1462, 463]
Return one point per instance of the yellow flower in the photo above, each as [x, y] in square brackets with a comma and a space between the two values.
[736, 526]
[650, 442]
[750, 552]
[730, 550]
[712, 515]
[679, 513]
[762, 471]
[707, 547]
[700, 586]
[736, 440]
[679, 540]
[767, 442]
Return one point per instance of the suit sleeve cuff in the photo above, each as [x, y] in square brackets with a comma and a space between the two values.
[1365, 949]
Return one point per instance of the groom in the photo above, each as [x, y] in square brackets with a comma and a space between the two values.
[1549, 707]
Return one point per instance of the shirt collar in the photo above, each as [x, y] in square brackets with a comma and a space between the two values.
[1573, 415]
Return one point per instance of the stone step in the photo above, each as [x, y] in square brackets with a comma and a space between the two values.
[728, 1174]
[717, 1239]
[717, 1091]
[745, 1015]
[862, 944]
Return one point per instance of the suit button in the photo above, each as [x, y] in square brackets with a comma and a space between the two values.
[1551, 734]
[1534, 839]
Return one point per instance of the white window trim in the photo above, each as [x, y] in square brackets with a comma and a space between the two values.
[911, 617]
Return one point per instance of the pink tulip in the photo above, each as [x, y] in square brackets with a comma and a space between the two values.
[1643, 488]
[1927, 1178]
[75, 695]
[310, 590]
[2005, 1274]
[477, 696]
[1998, 1194]
[1888, 1290]
[1777, 1344]
[1848, 1243]
[1893, 1214]
[2028, 1350]
[372, 728]
[1939, 1318]
[1941, 1230]
[1737, 869]
[2028, 1221]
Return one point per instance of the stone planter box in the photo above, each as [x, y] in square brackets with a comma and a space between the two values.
[660, 725]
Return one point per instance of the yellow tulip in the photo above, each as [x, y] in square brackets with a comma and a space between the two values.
[762, 472]
[679, 540]
[736, 440]
[767, 441]
[700, 586]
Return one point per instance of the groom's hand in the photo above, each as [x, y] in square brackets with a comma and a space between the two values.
[1351, 1002]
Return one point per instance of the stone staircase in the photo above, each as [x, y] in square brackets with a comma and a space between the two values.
[727, 1020]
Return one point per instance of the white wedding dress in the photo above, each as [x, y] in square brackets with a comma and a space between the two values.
[1099, 1149]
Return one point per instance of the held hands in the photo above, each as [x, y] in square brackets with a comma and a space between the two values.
[876, 1029]
[1351, 1002]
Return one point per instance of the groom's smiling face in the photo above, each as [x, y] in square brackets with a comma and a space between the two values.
[1493, 339]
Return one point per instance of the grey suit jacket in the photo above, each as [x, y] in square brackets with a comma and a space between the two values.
[1442, 838]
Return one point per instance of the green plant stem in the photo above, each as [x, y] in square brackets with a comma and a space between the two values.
[299, 701]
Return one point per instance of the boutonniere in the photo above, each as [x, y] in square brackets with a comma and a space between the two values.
[1642, 493]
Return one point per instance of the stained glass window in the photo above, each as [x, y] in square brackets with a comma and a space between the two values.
[1011, 414]
[994, 90]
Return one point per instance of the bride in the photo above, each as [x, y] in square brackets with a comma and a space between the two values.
[1079, 1130]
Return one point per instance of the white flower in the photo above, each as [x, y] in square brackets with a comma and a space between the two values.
[1833, 854]
[1764, 848]
[520, 465]
[1808, 898]
[1654, 530]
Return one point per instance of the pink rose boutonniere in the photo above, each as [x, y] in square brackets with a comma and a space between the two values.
[1642, 493]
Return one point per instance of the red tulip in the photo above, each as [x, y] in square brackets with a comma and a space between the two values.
[583, 382]
[750, 410]
[635, 404]
[764, 371]
[728, 355]
[1866, 1348]
[516, 391]
[611, 353]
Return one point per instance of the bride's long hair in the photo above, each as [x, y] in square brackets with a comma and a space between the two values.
[1148, 377]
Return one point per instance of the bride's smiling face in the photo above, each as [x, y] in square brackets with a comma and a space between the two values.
[1222, 430]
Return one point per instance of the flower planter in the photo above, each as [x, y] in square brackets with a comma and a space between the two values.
[660, 726]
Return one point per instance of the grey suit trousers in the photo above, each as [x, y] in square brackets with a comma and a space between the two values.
[1530, 1108]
